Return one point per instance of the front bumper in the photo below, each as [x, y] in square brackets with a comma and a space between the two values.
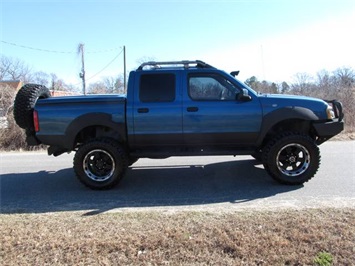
[328, 129]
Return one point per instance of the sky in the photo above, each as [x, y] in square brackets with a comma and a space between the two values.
[270, 39]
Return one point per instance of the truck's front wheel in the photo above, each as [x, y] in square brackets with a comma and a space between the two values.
[100, 164]
[291, 158]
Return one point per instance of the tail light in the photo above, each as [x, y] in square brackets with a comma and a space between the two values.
[35, 120]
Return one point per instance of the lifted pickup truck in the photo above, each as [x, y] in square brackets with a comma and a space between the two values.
[180, 108]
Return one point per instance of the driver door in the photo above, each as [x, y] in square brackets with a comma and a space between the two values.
[213, 116]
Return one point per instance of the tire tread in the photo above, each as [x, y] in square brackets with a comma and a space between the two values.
[25, 101]
[116, 151]
[267, 157]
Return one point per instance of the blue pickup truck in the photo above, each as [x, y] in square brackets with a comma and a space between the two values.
[180, 108]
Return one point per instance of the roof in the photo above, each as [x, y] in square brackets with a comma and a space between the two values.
[184, 63]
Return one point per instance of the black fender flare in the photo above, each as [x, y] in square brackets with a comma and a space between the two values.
[284, 114]
[89, 120]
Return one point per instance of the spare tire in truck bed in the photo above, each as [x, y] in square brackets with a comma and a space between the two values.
[25, 101]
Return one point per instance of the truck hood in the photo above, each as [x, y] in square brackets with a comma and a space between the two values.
[270, 102]
[289, 97]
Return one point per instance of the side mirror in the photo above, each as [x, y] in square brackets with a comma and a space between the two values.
[244, 96]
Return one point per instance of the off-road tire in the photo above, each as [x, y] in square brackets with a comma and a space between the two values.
[25, 101]
[100, 163]
[291, 158]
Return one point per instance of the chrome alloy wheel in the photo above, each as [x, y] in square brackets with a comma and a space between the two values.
[293, 159]
[99, 165]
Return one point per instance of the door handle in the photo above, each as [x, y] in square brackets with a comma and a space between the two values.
[192, 109]
[143, 110]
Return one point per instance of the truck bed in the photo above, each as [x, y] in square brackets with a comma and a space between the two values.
[61, 116]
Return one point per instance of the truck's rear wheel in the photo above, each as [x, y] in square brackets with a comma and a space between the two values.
[25, 101]
[100, 164]
[291, 158]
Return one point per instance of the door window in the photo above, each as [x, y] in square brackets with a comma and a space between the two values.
[211, 87]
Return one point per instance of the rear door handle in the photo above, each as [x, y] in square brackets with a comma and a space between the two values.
[192, 109]
[143, 110]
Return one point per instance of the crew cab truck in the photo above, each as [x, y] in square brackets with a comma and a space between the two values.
[179, 108]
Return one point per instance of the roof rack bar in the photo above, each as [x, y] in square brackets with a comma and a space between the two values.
[185, 63]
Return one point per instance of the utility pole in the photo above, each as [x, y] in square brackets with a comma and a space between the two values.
[124, 70]
[82, 73]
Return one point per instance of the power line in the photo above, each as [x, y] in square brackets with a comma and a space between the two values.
[105, 66]
[104, 51]
[59, 52]
[36, 49]
[67, 52]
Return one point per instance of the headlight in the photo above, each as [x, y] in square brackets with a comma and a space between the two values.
[330, 112]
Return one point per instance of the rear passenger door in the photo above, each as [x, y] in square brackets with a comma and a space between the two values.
[157, 112]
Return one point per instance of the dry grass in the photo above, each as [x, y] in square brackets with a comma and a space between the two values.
[182, 238]
[345, 135]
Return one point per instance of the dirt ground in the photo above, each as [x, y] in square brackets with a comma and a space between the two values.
[347, 135]
[284, 237]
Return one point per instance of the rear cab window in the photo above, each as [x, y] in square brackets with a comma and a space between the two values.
[159, 87]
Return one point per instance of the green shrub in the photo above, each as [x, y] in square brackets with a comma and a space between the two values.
[323, 259]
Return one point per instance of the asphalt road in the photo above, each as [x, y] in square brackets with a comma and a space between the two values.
[32, 182]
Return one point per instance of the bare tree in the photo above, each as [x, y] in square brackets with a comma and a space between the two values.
[14, 69]
[107, 85]
[339, 84]
[11, 136]
[41, 78]
[345, 77]
[113, 84]
[97, 88]
[345, 84]
[7, 96]
[303, 84]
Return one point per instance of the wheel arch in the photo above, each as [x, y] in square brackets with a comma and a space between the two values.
[286, 119]
[94, 125]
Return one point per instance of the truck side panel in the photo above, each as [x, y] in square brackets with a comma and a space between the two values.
[61, 119]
